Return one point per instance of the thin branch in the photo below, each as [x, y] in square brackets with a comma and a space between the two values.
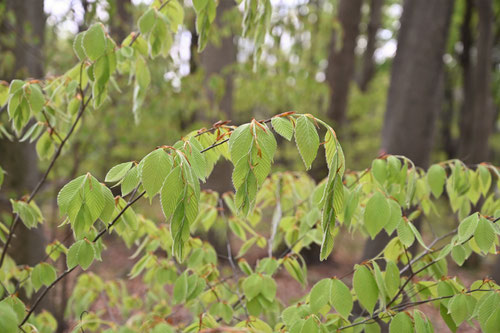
[83, 106]
[68, 271]
[405, 306]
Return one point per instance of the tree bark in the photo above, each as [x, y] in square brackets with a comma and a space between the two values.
[215, 59]
[416, 75]
[122, 20]
[340, 69]
[20, 159]
[23, 39]
[415, 90]
[375, 21]
[477, 114]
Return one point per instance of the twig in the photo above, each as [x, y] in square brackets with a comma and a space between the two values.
[68, 271]
[83, 106]
[276, 219]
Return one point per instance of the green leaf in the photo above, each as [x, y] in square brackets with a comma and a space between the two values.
[377, 214]
[283, 127]
[307, 140]
[45, 147]
[379, 170]
[80, 253]
[295, 270]
[392, 279]
[78, 46]
[421, 323]
[9, 320]
[69, 192]
[458, 308]
[486, 307]
[467, 227]
[405, 233]
[459, 254]
[252, 286]
[396, 216]
[35, 97]
[240, 142]
[341, 298]
[130, 181]
[147, 21]
[493, 323]
[365, 287]
[172, 191]
[268, 288]
[181, 288]
[117, 172]
[401, 323]
[175, 14]
[94, 42]
[436, 177]
[155, 168]
[484, 235]
[43, 274]
[320, 295]
[199, 5]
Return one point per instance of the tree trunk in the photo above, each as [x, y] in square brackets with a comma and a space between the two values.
[375, 21]
[23, 40]
[341, 62]
[477, 114]
[20, 159]
[415, 91]
[122, 20]
[413, 99]
[216, 58]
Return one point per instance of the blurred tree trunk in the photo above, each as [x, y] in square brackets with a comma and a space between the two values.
[341, 59]
[20, 159]
[22, 39]
[477, 114]
[122, 20]
[414, 94]
[374, 23]
[216, 58]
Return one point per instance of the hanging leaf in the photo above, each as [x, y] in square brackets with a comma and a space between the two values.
[307, 140]
[377, 214]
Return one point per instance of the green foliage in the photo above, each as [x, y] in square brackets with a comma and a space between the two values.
[181, 272]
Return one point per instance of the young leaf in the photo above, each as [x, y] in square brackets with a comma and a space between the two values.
[181, 288]
[401, 323]
[484, 235]
[458, 309]
[43, 274]
[307, 140]
[436, 177]
[365, 287]
[172, 191]
[341, 298]
[240, 142]
[147, 21]
[283, 127]
[155, 168]
[377, 214]
[467, 227]
[9, 321]
[80, 253]
[252, 286]
[117, 172]
[268, 288]
[94, 42]
[320, 295]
